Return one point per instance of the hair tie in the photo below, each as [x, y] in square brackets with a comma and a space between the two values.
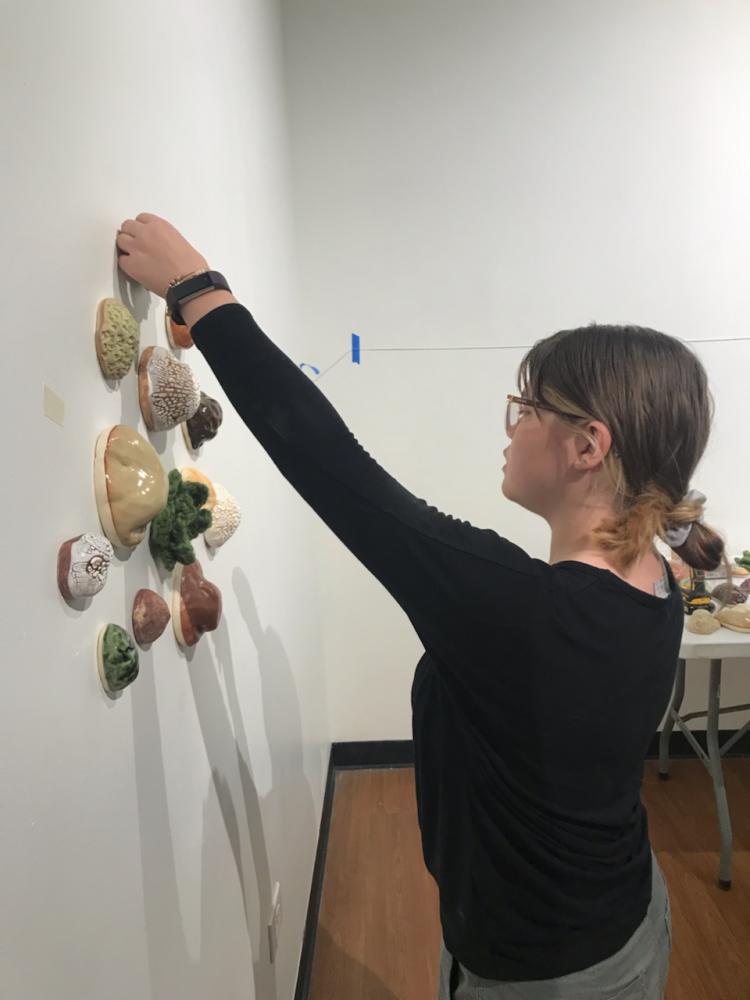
[676, 535]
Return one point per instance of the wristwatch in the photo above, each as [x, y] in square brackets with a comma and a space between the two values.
[190, 288]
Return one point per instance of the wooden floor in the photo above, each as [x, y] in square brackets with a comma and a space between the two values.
[379, 934]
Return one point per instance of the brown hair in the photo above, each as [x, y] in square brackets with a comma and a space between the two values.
[652, 392]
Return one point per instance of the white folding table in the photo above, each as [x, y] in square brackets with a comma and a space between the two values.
[720, 645]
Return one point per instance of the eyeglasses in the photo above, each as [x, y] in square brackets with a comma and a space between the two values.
[515, 410]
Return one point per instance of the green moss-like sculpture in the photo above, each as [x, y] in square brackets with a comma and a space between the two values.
[183, 519]
[744, 559]
[118, 658]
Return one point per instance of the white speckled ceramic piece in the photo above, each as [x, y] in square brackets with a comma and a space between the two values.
[168, 390]
[82, 565]
[225, 518]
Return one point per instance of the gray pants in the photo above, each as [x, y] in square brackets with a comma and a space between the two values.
[638, 971]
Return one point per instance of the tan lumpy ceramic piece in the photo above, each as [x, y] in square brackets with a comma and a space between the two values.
[702, 622]
[196, 476]
[225, 518]
[736, 617]
[130, 483]
[117, 337]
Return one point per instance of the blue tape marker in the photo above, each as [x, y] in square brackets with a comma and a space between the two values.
[316, 370]
[355, 349]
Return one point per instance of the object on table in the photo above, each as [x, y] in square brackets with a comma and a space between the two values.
[196, 604]
[117, 658]
[743, 561]
[226, 517]
[702, 622]
[183, 518]
[167, 389]
[204, 423]
[150, 616]
[196, 476]
[694, 594]
[130, 484]
[117, 336]
[745, 586]
[729, 593]
[82, 565]
[178, 334]
[735, 617]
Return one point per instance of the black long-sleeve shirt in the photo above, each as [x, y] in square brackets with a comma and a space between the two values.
[532, 706]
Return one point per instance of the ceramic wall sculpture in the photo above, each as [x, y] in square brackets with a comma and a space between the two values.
[735, 616]
[82, 565]
[178, 334]
[130, 483]
[192, 475]
[225, 518]
[117, 337]
[117, 658]
[702, 622]
[196, 604]
[168, 390]
[183, 518]
[204, 423]
[728, 593]
[150, 616]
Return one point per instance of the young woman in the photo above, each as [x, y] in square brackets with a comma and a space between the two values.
[542, 682]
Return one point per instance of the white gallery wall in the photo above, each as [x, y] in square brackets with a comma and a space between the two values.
[484, 173]
[140, 837]
[425, 174]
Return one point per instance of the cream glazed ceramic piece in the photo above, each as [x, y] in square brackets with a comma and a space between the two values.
[117, 337]
[150, 616]
[735, 616]
[130, 484]
[167, 388]
[225, 518]
[82, 565]
[204, 424]
[196, 476]
[702, 622]
[196, 604]
[116, 658]
[178, 334]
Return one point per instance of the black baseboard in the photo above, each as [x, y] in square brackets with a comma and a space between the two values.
[400, 753]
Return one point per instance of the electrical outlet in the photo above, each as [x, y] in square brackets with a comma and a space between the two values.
[275, 922]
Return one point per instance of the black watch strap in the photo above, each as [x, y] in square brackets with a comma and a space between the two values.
[188, 289]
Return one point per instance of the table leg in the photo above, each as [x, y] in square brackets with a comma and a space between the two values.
[717, 775]
[674, 708]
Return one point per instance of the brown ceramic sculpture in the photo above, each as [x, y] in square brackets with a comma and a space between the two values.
[130, 483]
[204, 423]
[728, 593]
[82, 565]
[178, 334]
[225, 518]
[167, 388]
[150, 616]
[196, 604]
[735, 617]
[702, 622]
[196, 476]
[117, 336]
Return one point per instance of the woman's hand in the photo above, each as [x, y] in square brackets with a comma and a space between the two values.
[152, 252]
